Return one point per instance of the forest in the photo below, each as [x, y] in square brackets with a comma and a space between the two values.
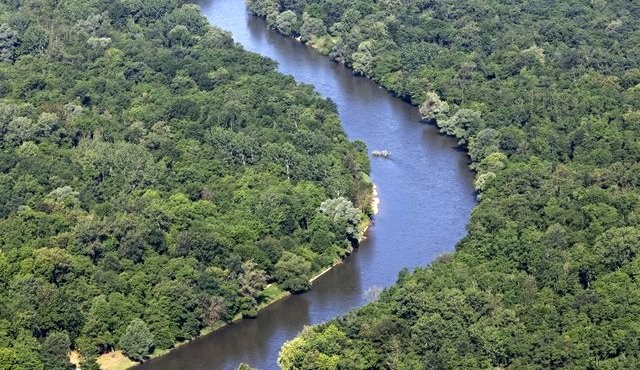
[156, 180]
[545, 98]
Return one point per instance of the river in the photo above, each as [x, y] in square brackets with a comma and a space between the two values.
[425, 189]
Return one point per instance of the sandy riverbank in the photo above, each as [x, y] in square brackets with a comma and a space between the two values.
[375, 201]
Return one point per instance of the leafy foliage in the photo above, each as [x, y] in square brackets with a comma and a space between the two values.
[152, 171]
[137, 340]
[293, 272]
[545, 97]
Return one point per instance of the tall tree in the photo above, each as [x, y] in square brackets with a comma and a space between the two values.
[137, 341]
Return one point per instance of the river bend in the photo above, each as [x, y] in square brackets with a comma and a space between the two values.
[425, 188]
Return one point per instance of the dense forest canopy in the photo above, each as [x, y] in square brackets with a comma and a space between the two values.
[545, 97]
[154, 178]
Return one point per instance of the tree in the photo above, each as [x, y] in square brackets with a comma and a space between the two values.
[311, 27]
[152, 9]
[54, 351]
[34, 41]
[53, 264]
[180, 36]
[137, 341]
[286, 155]
[216, 38]
[617, 247]
[252, 280]
[89, 363]
[343, 214]
[463, 124]
[21, 129]
[244, 366]
[363, 58]
[263, 8]
[24, 353]
[97, 336]
[320, 234]
[293, 272]
[286, 21]
[214, 310]
[188, 15]
[483, 180]
[8, 43]
[96, 25]
[433, 108]
[485, 143]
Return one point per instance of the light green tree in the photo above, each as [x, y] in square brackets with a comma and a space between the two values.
[137, 341]
[286, 21]
[461, 125]
[433, 108]
[244, 366]
[363, 58]
[311, 27]
[343, 214]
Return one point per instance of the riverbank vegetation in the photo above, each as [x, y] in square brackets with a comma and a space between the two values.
[545, 98]
[154, 179]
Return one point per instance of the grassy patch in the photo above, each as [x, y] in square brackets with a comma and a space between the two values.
[270, 294]
[115, 361]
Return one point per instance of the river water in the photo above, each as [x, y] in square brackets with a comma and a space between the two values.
[425, 189]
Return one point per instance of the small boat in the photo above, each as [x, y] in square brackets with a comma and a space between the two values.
[381, 153]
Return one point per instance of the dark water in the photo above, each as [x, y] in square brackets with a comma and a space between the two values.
[425, 189]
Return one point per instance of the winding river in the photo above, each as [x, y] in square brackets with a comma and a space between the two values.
[425, 190]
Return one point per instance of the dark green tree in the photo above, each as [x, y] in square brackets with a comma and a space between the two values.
[293, 272]
[55, 351]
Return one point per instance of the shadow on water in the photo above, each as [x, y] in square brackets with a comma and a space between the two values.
[425, 189]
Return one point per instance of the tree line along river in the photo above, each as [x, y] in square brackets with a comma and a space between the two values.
[425, 188]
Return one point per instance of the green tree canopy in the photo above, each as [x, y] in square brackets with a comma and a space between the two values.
[137, 341]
